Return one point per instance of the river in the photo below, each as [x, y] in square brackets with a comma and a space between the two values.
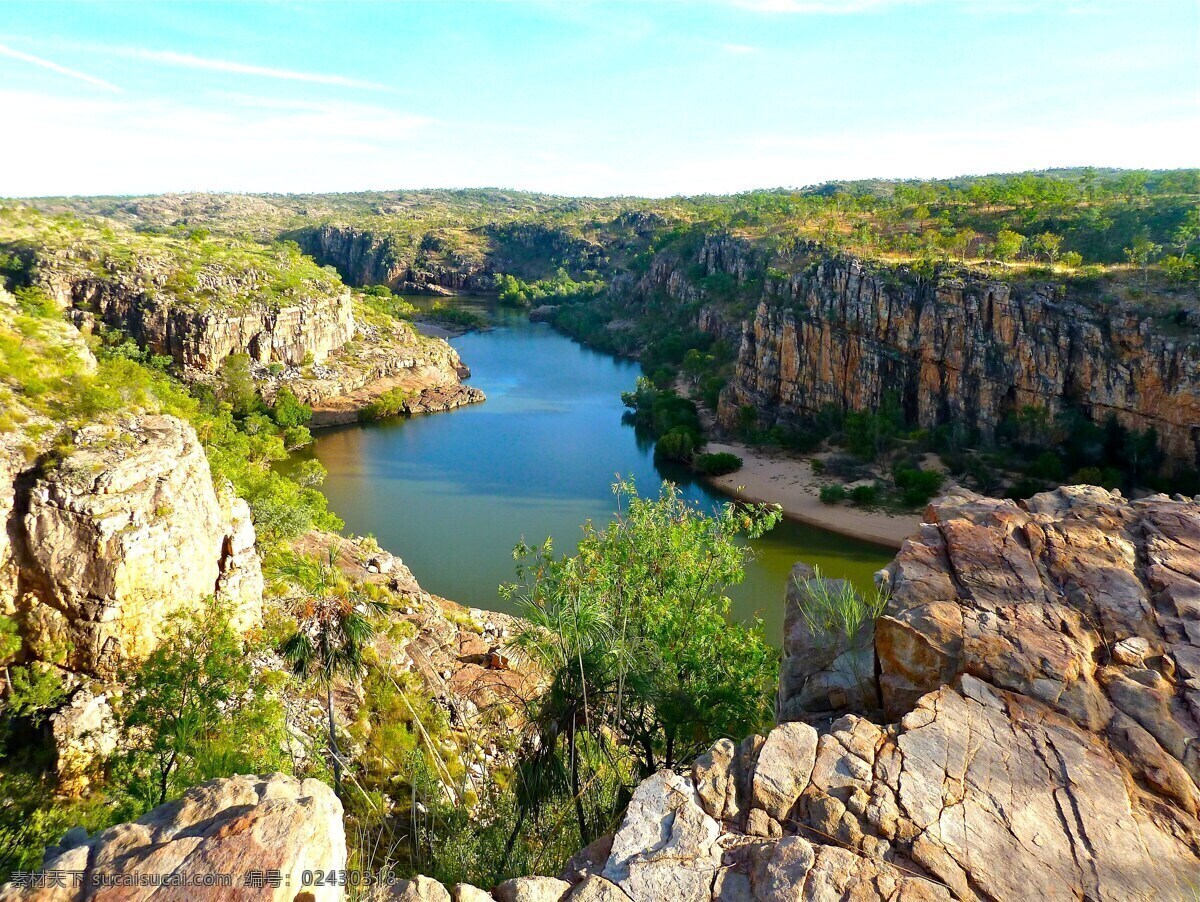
[452, 493]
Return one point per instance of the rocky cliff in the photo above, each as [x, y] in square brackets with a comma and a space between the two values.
[960, 350]
[199, 338]
[813, 328]
[237, 838]
[109, 539]
[1037, 664]
[406, 264]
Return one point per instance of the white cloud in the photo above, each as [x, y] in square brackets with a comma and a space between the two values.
[55, 67]
[188, 61]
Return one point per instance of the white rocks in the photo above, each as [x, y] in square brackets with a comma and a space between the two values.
[784, 766]
[418, 889]
[666, 847]
[85, 734]
[532, 889]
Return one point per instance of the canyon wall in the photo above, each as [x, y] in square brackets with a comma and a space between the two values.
[960, 348]
[199, 338]
[365, 257]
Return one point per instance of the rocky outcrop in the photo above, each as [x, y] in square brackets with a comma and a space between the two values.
[405, 264]
[119, 534]
[200, 337]
[1038, 664]
[961, 349]
[235, 838]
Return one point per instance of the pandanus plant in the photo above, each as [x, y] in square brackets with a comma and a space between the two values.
[333, 628]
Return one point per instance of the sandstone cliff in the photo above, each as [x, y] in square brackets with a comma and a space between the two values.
[813, 328]
[108, 541]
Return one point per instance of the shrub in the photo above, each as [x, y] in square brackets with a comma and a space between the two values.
[833, 494]
[718, 464]
[678, 444]
[864, 495]
[836, 608]
[917, 487]
[392, 402]
[1047, 466]
[288, 411]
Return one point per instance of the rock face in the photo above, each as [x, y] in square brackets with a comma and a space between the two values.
[364, 257]
[1038, 664]
[963, 350]
[231, 832]
[122, 533]
[199, 339]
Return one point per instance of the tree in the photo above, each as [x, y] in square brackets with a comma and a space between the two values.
[1048, 244]
[633, 633]
[1187, 231]
[1142, 254]
[1072, 259]
[332, 628]
[194, 710]
[235, 384]
[1008, 244]
[288, 411]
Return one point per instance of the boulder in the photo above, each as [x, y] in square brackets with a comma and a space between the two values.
[532, 889]
[418, 889]
[251, 837]
[666, 846]
[125, 531]
[85, 735]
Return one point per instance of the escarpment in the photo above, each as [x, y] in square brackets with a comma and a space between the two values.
[110, 540]
[964, 350]
[365, 257]
[199, 338]
[813, 328]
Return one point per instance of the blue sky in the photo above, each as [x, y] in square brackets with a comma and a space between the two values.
[586, 98]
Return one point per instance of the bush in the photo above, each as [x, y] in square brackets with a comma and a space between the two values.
[678, 444]
[917, 487]
[1048, 466]
[835, 608]
[864, 495]
[288, 411]
[718, 464]
[392, 402]
[833, 494]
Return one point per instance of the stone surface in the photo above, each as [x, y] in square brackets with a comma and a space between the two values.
[666, 846]
[122, 533]
[964, 349]
[85, 735]
[594, 888]
[784, 766]
[238, 826]
[532, 889]
[822, 675]
[465, 892]
[418, 889]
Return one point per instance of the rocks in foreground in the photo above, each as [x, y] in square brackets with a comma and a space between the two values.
[244, 834]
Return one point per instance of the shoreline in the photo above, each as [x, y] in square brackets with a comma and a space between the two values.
[792, 485]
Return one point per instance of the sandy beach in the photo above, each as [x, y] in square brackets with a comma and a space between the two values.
[791, 483]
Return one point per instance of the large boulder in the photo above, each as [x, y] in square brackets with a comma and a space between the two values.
[235, 838]
[124, 531]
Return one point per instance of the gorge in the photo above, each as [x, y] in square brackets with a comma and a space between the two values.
[198, 389]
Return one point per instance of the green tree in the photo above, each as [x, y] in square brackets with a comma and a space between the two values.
[194, 710]
[1142, 254]
[288, 411]
[235, 384]
[332, 628]
[633, 633]
[1049, 245]
[1008, 245]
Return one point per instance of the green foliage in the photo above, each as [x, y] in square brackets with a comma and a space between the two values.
[235, 385]
[391, 403]
[835, 608]
[633, 631]
[664, 414]
[456, 316]
[917, 487]
[865, 495]
[287, 411]
[34, 692]
[560, 289]
[871, 434]
[194, 710]
[832, 494]
[678, 444]
[718, 464]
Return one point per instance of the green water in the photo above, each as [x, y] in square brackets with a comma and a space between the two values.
[452, 493]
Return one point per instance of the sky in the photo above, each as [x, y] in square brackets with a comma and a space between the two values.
[586, 98]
